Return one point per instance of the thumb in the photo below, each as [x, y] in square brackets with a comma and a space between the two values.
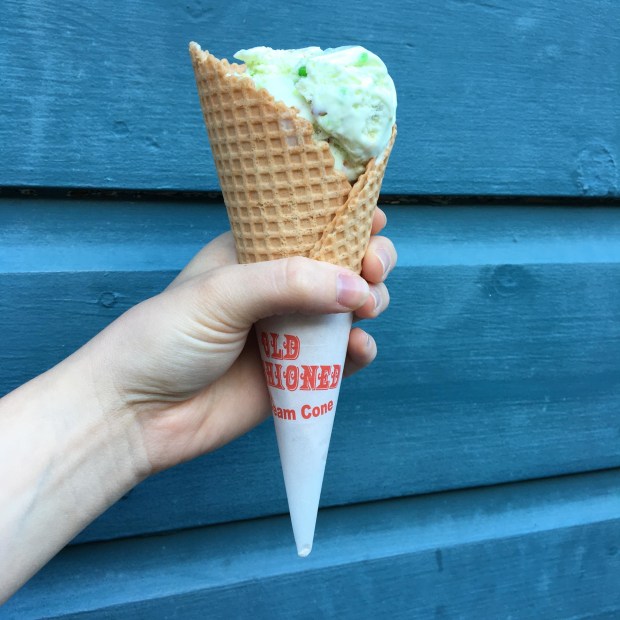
[243, 294]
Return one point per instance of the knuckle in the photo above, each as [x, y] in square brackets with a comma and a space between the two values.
[297, 276]
[209, 287]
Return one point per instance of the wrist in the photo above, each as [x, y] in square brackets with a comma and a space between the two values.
[101, 415]
[67, 455]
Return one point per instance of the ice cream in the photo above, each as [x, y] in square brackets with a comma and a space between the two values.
[345, 92]
[287, 195]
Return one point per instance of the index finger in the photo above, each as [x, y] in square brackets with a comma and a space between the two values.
[217, 253]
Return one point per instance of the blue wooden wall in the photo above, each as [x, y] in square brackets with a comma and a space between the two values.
[475, 468]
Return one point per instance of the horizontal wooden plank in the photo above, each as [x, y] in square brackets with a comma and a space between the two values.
[77, 235]
[495, 96]
[545, 549]
[68, 236]
[498, 357]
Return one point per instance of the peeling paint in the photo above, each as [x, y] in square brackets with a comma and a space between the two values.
[597, 171]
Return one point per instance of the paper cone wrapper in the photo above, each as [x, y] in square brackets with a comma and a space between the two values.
[303, 359]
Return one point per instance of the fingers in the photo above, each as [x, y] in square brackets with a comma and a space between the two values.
[218, 253]
[361, 352]
[294, 284]
[240, 295]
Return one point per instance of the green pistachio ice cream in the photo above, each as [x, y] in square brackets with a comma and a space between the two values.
[345, 92]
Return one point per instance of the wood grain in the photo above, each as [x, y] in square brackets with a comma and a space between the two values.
[544, 549]
[498, 356]
[495, 97]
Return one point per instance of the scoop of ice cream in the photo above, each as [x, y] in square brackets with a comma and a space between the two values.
[345, 92]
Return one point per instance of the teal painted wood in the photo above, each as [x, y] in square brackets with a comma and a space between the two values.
[498, 358]
[544, 549]
[496, 97]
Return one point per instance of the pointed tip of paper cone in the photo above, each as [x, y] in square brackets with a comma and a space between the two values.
[304, 416]
[304, 551]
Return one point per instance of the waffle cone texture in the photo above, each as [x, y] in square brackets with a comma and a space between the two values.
[283, 194]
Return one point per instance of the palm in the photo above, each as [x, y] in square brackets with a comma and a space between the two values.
[213, 416]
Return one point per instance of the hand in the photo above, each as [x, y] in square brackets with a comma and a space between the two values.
[186, 364]
[172, 378]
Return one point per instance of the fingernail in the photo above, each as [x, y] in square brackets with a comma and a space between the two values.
[377, 298]
[352, 291]
[385, 260]
[371, 345]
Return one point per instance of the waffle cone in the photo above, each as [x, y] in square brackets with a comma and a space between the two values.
[283, 194]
